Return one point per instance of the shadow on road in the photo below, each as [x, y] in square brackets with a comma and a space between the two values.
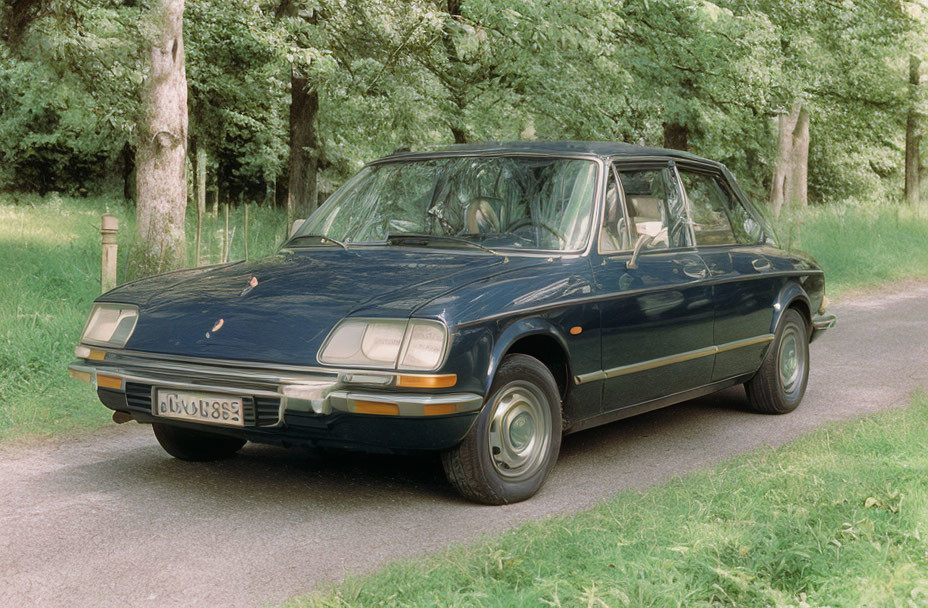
[265, 476]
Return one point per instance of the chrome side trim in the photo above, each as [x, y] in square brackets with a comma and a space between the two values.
[748, 342]
[670, 360]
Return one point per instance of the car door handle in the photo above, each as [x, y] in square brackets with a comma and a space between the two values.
[761, 265]
[695, 271]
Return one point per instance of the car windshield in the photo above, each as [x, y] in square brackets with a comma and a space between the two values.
[507, 202]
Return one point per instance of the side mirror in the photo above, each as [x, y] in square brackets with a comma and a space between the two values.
[296, 226]
[640, 244]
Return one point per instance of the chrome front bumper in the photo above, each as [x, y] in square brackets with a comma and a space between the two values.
[308, 391]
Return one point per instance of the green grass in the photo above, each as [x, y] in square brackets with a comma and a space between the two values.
[837, 518]
[50, 256]
[861, 246]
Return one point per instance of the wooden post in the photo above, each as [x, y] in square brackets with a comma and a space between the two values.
[109, 225]
[245, 232]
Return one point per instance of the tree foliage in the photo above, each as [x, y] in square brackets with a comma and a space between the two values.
[712, 77]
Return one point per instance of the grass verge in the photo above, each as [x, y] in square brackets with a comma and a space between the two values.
[837, 518]
[861, 246]
[50, 255]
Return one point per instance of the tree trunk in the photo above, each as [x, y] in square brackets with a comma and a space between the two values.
[460, 135]
[456, 89]
[676, 136]
[528, 130]
[302, 198]
[787, 171]
[912, 136]
[799, 183]
[128, 173]
[162, 148]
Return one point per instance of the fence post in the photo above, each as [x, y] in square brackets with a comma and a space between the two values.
[109, 225]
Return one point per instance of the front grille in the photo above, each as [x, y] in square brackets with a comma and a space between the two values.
[258, 411]
[267, 410]
[138, 396]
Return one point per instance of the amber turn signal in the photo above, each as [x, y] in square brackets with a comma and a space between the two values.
[376, 407]
[442, 381]
[574, 331]
[96, 355]
[109, 382]
[82, 376]
[439, 409]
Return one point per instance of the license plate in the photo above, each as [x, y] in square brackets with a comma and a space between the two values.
[213, 408]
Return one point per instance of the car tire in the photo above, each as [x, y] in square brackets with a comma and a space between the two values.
[780, 383]
[195, 445]
[515, 441]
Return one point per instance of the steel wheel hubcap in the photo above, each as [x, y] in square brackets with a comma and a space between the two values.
[520, 430]
[791, 362]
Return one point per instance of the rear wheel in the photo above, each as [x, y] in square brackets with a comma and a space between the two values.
[779, 385]
[512, 447]
[195, 445]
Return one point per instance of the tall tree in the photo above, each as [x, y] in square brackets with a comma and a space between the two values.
[162, 145]
[310, 55]
[790, 175]
[303, 186]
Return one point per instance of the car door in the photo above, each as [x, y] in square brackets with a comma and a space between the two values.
[656, 318]
[731, 242]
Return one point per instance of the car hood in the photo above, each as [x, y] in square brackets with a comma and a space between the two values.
[280, 309]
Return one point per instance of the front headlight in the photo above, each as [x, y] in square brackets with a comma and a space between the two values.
[110, 324]
[416, 344]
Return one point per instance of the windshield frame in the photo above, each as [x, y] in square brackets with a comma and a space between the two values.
[509, 251]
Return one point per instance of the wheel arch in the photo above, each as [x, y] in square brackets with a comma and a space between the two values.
[792, 295]
[537, 338]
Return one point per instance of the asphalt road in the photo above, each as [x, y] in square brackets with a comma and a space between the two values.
[111, 520]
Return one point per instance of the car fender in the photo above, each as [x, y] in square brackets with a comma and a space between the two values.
[790, 293]
[522, 328]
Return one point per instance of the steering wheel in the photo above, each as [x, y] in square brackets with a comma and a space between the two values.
[529, 221]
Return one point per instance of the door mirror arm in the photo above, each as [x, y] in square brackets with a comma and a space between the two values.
[643, 241]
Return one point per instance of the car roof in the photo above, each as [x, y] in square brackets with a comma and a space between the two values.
[601, 149]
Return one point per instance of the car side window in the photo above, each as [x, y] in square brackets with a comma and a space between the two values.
[656, 207]
[612, 234]
[718, 218]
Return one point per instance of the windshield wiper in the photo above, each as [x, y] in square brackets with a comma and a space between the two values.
[414, 236]
[322, 239]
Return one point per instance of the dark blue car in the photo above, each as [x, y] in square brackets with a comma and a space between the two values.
[480, 302]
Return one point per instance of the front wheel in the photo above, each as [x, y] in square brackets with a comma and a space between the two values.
[513, 445]
[195, 445]
[780, 383]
